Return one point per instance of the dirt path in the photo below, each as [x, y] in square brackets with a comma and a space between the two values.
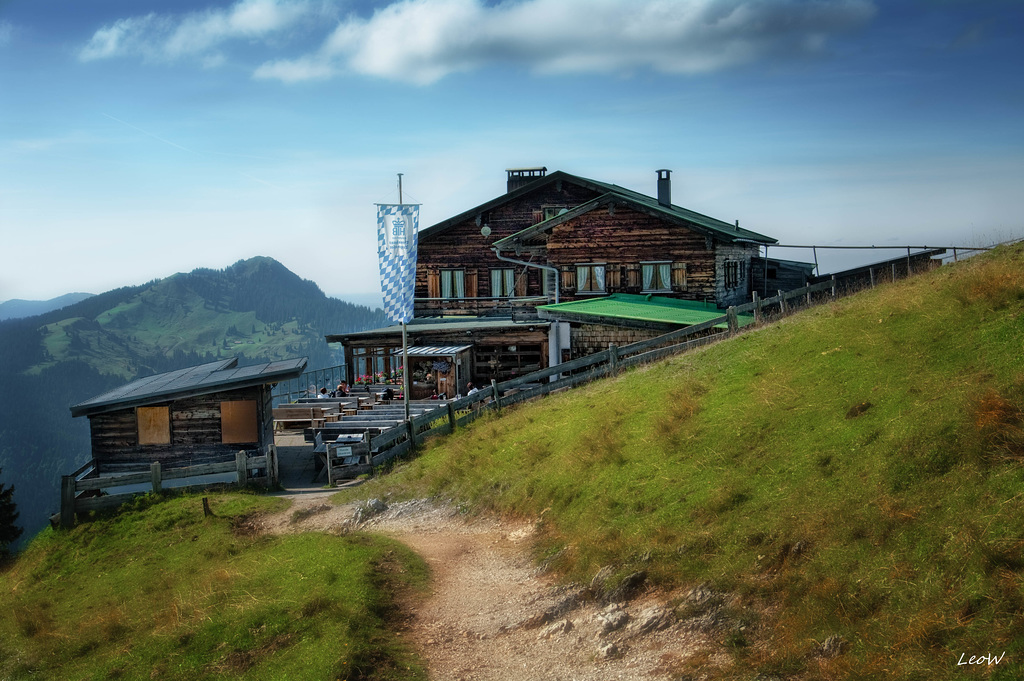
[492, 616]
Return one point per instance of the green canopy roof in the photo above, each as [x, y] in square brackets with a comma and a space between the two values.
[645, 309]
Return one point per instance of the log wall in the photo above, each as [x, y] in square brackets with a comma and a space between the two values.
[195, 424]
[461, 246]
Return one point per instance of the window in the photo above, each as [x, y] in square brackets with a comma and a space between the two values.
[590, 278]
[238, 421]
[453, 284]
[656, 276]
[733, 273]
[154, 425]
[552, 211]
[503, 282]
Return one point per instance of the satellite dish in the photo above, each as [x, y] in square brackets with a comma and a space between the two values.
[485, 230]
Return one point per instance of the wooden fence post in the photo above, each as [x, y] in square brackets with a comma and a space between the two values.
[871, 271]
[67, 501]
[155, 473]
[613, 357]
[240, 464]
[835, 291]
[273, 469]
[452, 416]
[757, 308]
[784, 305]
[497, 397]
[732, 320]
[412, 433]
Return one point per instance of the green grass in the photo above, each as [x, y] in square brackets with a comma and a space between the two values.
[162, 592]
[855, 469]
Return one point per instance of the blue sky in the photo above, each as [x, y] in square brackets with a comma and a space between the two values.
[139, 139]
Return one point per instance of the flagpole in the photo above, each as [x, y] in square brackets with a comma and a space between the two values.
[405, 339]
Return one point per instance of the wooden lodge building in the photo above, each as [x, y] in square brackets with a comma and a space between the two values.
[197, 415]
[555, 238]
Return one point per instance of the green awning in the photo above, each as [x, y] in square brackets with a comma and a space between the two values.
[648, 309]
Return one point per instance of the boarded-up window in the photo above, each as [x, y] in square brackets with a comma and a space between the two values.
[238, 422]
[154, 425]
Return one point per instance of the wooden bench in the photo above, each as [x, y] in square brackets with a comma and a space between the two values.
[295, 414]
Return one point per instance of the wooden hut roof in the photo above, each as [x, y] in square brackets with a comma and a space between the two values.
[198, 380]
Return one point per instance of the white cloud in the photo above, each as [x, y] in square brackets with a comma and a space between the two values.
[198, 34]
[421, 41]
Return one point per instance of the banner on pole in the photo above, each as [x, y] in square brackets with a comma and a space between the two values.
[397, 227]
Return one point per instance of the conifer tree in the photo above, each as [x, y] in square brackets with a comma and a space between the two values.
[9, 532]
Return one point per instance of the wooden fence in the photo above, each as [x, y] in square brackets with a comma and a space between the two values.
[81, 491]
[449, 417]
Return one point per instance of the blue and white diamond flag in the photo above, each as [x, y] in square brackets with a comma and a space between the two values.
[397, 226]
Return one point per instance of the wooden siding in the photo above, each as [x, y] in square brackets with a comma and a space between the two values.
[781, 276]
[461, 246]
[530, 353]
[195, 431]
[623, 239]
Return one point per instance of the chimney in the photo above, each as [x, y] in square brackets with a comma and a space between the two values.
[517, 177]
[665, 187]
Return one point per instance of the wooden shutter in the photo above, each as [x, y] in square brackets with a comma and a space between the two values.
[471, 284]
[612, 278]
[521, 284]
[538, 216]
[433, 284]
[569, 279]
[679, 276]
[633, 276]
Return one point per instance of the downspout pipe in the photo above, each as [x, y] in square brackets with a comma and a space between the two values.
[549, 268]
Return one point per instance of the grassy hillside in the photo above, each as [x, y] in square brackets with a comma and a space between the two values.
[159, 591]
[856, 470]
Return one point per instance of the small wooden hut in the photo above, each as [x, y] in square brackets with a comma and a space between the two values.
[201, 414]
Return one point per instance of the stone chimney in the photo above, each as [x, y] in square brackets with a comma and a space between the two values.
[665, 187]
[517, 177]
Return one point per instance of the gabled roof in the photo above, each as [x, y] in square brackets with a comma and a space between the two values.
[198, 380]
[608, 193]
[645, 204]
[647, 311]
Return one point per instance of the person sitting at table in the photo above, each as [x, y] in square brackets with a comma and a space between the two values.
[471, 389]
[342, 390]
[389, 394]
[323, 392]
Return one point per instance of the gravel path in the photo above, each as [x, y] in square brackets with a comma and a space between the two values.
[492, 616]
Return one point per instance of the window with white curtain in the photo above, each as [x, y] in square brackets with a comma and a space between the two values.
[656, 276]
[503, 283]
[453, 284]
[590, 278]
